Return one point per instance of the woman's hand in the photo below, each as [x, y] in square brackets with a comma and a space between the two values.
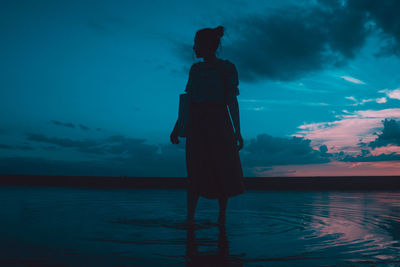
[238, 139]
[174, 137]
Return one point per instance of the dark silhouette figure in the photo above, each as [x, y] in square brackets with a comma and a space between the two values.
[212, 143]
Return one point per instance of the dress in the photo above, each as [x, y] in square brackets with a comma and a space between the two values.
[212, 158]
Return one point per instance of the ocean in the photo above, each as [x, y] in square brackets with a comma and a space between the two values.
[70, 226]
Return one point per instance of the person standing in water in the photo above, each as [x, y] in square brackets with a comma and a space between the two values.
[212, 142]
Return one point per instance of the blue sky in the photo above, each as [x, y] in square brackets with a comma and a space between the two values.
[91, 87]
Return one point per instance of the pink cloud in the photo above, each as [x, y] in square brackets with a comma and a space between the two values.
[394, 94]
[379, 100]
[385, 150]
[336, 168]
[351, 128]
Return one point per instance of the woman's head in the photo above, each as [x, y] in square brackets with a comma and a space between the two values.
[207, 40]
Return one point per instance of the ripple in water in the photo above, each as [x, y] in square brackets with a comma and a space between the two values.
[49, 225]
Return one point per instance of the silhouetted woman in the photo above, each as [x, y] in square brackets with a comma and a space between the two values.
[212, 143]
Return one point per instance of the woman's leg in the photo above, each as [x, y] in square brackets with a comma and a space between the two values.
[223, 201]
[192, 199]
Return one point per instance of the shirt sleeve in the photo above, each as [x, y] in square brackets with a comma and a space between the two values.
[189, 82]
[232, 79]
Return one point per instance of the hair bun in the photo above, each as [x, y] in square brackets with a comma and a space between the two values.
[220, 31]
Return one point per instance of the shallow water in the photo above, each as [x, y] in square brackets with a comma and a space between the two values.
[135, 227]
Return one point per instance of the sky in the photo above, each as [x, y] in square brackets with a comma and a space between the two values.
[92, 87]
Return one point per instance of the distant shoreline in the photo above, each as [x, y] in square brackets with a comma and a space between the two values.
[251, 183]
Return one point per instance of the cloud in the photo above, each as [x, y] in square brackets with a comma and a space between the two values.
[394, 94]
[17, 147]
[390, 134]
[379, 100]
[70, 125]
[386, 17]
[42, 166]
[291, 42]
[118, 144]
[352, 80]
[344, 137]
[171, 163]
[266, 150]
[349, 130]
[351, 98]
[133, 156]
[117, 156]
[89, 146]
[83, 127]
[120, 155]
[65, 124]
[371, 158]
[112, 145]
[294, 41]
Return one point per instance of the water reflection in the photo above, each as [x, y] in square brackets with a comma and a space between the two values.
[218, 257]
[366, 225]
[146, 228]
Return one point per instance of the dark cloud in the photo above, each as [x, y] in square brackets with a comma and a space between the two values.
[17, 147]
[42, 166]
[66, 124]
[118, 144]
[85, 146]
[266, 150]
[121, 155]
[133, 157]
[83, 127]
[291, 42]
[366, 157]
[64, 142]
[70, 125]
[323, 149]
[390, 134]
[385, 14]
[112, 145]
[118, 155]
[5, 146]
[166, 161]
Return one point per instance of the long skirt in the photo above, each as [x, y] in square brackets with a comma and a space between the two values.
[212, 158]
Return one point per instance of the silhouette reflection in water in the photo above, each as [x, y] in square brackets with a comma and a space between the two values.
[220, 257]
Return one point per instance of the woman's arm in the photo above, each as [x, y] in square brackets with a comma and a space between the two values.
[233, 107]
